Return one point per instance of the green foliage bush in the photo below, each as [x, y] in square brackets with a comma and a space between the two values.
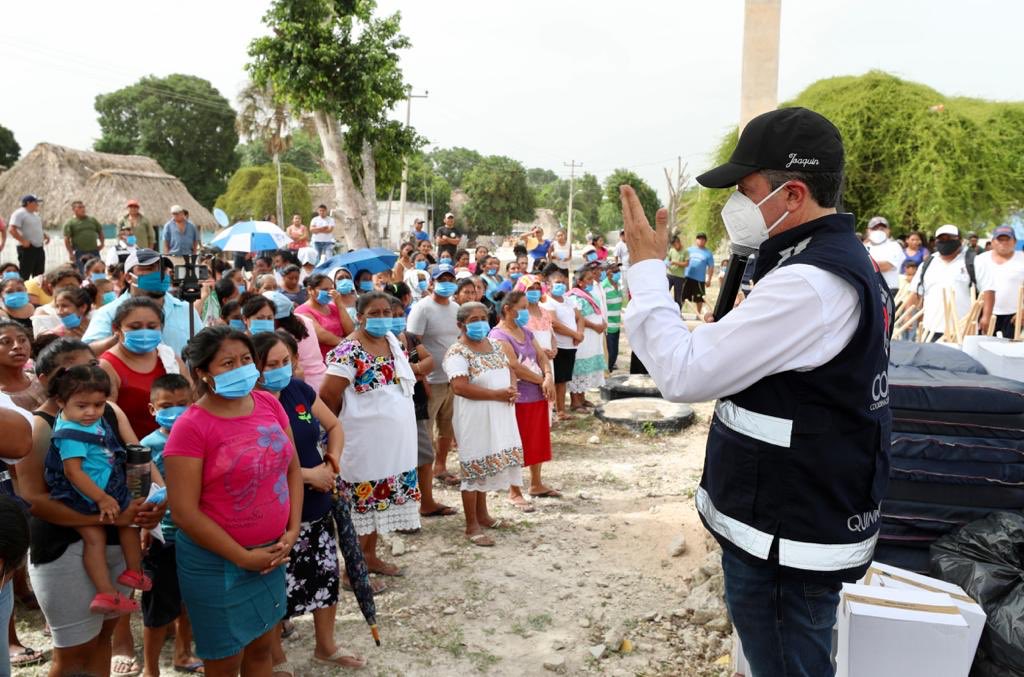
[917, 157]
[252, 193]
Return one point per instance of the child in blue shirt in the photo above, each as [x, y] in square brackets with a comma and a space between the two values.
[85, 470]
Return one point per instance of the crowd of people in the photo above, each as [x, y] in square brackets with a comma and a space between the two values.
[285, 389]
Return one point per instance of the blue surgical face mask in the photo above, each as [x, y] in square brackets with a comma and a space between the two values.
[237, 383]
[616, 277]
[589, 288]
[109, 297]
[261, 326]
[238, 325]
[476, 331]
[365, 285]
[141, 341]
[16, 299]
[604, 276]
[71, 321]
[275, 380]
[98, 276]
[397, 325]
[240, 288]
[514, 276]
[131, 240]
[444, 289]
[591, 256]
[522, 317]
[533, 295]
[421, 265]
[323, 297]
[344, 286]
[445, 261]
[492, 271]
[154, 282]
[165, 418]
[558, 289]
[377, 326]
[12, 275]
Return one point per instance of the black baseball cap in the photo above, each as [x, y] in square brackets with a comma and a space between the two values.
[797, 139]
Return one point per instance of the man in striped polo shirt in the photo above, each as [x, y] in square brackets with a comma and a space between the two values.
[613, 294]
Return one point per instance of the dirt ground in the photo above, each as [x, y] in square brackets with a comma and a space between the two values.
[588, 569]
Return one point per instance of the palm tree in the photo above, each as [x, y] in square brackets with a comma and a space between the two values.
[262, 117]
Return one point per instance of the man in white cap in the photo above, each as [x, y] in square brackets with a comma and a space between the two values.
[885, 252]
[180, 236]
[949, 269]
[447, 237]
[149, 275]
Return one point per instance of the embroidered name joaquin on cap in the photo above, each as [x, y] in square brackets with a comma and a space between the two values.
[802, 161]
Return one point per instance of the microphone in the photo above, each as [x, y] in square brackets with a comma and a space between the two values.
[733, 279]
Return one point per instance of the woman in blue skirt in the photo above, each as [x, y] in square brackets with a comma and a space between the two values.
[235, 488]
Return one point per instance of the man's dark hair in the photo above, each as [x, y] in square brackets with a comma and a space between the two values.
[825, 187]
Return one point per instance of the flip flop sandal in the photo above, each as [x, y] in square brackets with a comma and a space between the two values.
[124, 661]
[334, 660]
[550, 493]
[499, 524]
[285, 668]
[26, 657]
[114, 603]
[399, 572]
[447, 479]
[483, 540]
[190, 669]
[378, 587]
[524, 506]
[287, 629]
[135, 579]
[444, 511]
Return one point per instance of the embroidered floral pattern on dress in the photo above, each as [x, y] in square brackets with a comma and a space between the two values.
[371, 371]
[381, 494]
[492, 464]
[480, 362]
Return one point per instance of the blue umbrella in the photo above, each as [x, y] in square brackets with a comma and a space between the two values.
[374, 259]
[251, 236]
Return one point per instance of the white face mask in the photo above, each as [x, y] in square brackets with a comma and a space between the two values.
[744, 221]
[877, 236]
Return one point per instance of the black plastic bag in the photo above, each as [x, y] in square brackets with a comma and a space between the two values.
[986, 559]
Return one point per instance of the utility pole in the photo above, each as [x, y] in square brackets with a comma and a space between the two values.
[572, 165]
[405, 165]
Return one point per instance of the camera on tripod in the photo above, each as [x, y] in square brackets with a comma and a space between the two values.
[188, 278]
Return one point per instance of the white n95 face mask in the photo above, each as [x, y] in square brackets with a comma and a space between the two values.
[877, 236]
[744, 221]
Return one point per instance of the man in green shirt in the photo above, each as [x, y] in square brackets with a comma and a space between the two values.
[140, 226]
[613, 296]
[83, 236]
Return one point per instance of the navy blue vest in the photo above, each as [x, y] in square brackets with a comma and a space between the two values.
[797, 464]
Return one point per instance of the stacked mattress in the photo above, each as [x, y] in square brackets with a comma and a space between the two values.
[957, 449]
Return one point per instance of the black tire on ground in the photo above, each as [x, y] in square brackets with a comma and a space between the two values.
[645, 414]
[629, 385]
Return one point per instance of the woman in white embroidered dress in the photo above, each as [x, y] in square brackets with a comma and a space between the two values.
[490, 450]
[370, 383]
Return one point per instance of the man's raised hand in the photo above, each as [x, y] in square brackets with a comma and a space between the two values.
[643, 241]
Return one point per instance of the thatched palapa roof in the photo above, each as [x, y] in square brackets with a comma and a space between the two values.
[103, 181]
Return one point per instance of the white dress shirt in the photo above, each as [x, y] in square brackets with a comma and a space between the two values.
[798, 317]
[889, 252]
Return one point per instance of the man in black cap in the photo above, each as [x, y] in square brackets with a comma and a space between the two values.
[797, 455]
[27, 229]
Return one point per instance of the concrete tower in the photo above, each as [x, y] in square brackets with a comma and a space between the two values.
[759, 91]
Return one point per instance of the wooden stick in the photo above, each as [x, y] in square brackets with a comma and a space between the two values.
[1020, 314]
[991, 330]
[927, 337]
[969, 323]
[908, 323]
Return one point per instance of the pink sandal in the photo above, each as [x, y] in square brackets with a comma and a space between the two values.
[135, 579]
[113, 603]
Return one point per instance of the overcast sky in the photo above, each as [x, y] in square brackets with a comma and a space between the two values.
[606, 84]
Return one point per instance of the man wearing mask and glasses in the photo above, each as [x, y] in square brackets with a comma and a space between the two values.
[149, 275]
[797, 454]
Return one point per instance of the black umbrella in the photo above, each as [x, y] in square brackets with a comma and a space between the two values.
[355, 564]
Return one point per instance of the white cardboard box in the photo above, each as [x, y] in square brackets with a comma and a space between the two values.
[1002, 358]
[893, 632]
[887, 576]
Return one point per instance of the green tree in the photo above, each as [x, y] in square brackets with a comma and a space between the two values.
[917, 157]
[454, 164]
[252, 193]
[9, 148]
[498, 195]
[610, 212]
[425, 185]
[537, 177]
[585, 204]
[181, 121]
[336, 62]
[304, 153]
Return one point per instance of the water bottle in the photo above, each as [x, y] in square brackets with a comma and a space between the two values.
[137, 470]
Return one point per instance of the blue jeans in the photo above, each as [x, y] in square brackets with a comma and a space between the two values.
[6, 607]
[324, 250]
[612, 341]
[785, 625]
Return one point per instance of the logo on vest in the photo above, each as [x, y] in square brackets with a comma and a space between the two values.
[862, 521]
[802, 161]
[879, 391]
